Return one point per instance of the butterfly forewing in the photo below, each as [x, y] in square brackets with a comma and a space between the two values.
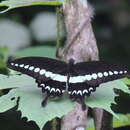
[97, 72]
[50, 74]
[40, 68]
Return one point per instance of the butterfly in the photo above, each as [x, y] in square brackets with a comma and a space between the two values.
[77, 79]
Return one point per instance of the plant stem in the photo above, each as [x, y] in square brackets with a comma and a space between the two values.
[58, 27]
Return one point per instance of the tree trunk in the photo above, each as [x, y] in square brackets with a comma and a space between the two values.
[80, 46]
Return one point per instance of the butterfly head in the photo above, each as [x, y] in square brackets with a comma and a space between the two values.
[71, 62]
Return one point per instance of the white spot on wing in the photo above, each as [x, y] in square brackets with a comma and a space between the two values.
[100, 75]
[16, 65]
[58, 90]
[69, 92]
[63, 91]
[79, 92]
[12, 63]
[42, 71]
[74, 92]
[73, 80]
[48, 88]
[80, 79]
[60, 78]
[36, 70]
[105, 74]
[76, 79]
[94, 76]
[21, 65]
[53, 89]
[43, 85]
[31, 68]
[52, 75]
[125, 71]
[26, 66]
[88, 77]
[85, 91]
[121, 72]
[110, 73]
[48, 74]
[90, 89]
[115, 72]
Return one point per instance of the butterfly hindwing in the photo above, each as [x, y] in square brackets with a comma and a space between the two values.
[53, 88]
[80, 90]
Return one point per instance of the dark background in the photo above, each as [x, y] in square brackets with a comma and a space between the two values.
[111, 25]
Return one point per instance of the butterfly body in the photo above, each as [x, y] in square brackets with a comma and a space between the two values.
[56, 77]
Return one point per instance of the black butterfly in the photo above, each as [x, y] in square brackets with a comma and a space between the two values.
[79, 80]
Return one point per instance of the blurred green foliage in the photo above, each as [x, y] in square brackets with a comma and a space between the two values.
[3, 58]
[111, 25]
[45, 51]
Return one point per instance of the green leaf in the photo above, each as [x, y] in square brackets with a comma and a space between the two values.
[2, 64]
[105, 96]
[21, 3]
[31, 97]
[3, 52]
[126, 81]
[15, 81]
[44, 51]
[124, 120]
[30, 105]
[3, 58]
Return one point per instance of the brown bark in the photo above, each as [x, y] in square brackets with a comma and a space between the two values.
[76, 119]
[106, 121]
[80, 46]
[81, 43]
[97, 115]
